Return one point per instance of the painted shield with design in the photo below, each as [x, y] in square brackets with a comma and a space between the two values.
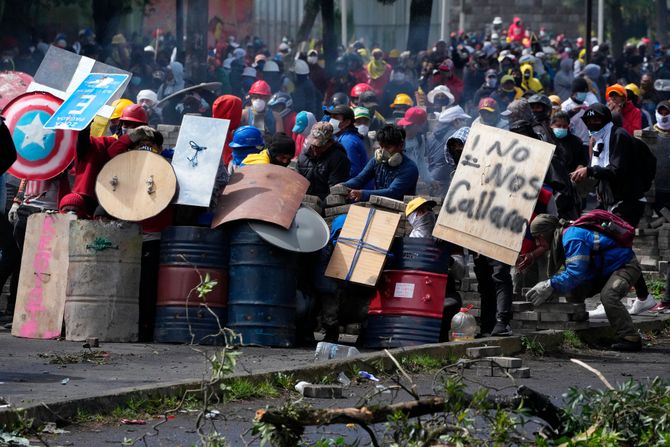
[41, 153]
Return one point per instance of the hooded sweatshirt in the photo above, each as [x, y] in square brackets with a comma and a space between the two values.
[176, 84]
[228, 107]
[563, 80]
[530, 82]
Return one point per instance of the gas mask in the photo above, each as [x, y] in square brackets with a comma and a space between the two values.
[383, 156]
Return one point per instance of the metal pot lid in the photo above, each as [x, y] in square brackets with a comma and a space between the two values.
[308, 232]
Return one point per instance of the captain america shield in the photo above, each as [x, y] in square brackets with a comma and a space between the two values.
[41, 153]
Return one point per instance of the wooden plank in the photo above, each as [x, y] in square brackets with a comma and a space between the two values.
[493, 192]
[40, 298]
[379, 233]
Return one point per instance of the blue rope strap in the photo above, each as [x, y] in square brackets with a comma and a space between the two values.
[359, 245]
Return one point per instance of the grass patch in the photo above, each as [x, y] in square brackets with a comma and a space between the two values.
[424, 363]
[657, 288]
[245, 389]
[532, 346]
[571, 341]
[284, 381]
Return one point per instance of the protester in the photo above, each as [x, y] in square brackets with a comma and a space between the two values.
[345, 132]
[379, 72]
[576, 105]
[304, 121]
[281, 104]
[9, 252]
[280, 151]
[619, 104]
[148, 100]
[325, 162]
[256, 114]
[174, 80]
[228, 107]
[305, 95]
[246, 140]
[439, 99]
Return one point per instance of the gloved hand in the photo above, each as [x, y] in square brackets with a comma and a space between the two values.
[540, 293]
[141, 133]
[13, 214]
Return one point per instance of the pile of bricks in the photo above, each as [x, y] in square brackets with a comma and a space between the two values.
[549, 316]
[392, 206]
[313, 202]
[336, 202]
[170, 134]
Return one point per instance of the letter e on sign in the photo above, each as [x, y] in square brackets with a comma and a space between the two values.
[82, 105]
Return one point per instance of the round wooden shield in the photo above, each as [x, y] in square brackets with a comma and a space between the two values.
[136, 185]
[41, 153]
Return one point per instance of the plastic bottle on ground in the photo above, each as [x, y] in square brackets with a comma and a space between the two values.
[463, 325]
[330, 351]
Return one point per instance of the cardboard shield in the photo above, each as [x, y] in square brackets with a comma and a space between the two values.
[136, 185]
[41, 153]
[12, 84]
[308, 232]
[197, 156]
[268, 193]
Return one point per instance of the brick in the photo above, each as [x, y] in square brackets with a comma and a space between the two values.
[521, 306]
[568, 308]
[322, 391]
[563, 325]
[333, 200]
[665, 213]
[311, 199]
[339, 190]
[519, 373]
[437, 200]
[553, 316]
[527, 315]
[483, 351]
[314, 206]
[385, 202]
[506, 362]
[343, 209]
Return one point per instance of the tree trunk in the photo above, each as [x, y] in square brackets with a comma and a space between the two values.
[419, 25]
[311, 10]
[662, 22]
[616, 26]
[196, 41]
[106, 19]
[329, 37]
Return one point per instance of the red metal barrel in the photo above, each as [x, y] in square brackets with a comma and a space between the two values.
[176, 284]
[409, 293]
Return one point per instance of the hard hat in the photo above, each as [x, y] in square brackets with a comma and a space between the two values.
[414, 204]
[247, 136]
[281, 98]
[357, 89]
[260, 88]
[555, 100]
[271, 66]
[135, 113]
[339, 98]
[633, 88]
[394, 53]
[301, 67]
[402, 99]
[119, 105]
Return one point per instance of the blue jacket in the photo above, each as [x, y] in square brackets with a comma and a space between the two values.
[394, 183]
[353, 143]
[589, 255]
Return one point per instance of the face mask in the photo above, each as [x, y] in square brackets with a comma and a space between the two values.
[383, 156]
[422, 226]
[491, 82]
[363, 129]
[580, 96]
[258, 105]
[559, 132]
[663, 122]
[336, 125]
[598, 134]
[312, 60]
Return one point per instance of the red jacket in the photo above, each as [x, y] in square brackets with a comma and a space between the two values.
[228, 107]
[632, 118]
[90, 159]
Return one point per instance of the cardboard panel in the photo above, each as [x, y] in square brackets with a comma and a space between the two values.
[493, 192]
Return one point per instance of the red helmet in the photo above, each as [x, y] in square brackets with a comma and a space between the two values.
[260, 88]
[134, 113]
[357, 89]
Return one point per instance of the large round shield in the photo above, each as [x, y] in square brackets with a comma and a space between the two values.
[41, 153]
[12, 84]
[308, 232]
[136, 185]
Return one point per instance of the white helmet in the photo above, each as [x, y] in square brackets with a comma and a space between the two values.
[301, 67]
[271, 66]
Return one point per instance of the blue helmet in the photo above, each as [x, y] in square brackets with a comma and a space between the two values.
[247, 136]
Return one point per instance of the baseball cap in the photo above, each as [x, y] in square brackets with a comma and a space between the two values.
[488, 104]
[451, 114]
[414, 115]
[341, 109]
[301, 122]
[362, 112]
[320, 134]
[663, 104]
[617, 89]
[597, 110]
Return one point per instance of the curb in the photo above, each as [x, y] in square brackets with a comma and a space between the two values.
[64, 411]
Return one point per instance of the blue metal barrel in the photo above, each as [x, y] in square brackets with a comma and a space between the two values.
[261, 289]
[419, 253]
[194, 246]
[395, 331]
[180, 324]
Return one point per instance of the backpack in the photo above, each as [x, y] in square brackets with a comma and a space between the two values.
[646, 164]
[608, 224]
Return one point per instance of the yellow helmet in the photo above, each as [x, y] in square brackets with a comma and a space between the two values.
[555, 100]
[414, 204]
[119, 105]
[394, 53]
[402, 99]
[633, 88]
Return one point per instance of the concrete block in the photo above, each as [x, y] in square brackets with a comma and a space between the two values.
[663, 267]
[563, 325]
[568, 308]
[519, 373]
[553, 316]
[339, 190]
[528, 315]
[506, 362]
[333, 200]
[385, 202]
[334, 211]
[483, 351]
[322, 391]
[521, 306]
[311, 199]
[665, 213]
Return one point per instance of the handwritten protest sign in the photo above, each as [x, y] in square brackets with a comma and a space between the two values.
[85, 102]
[493, 192]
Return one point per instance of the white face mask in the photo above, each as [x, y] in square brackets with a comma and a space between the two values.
[363, 129]
[312, 59]
[336, 125]
[258, 105]
[663, 121]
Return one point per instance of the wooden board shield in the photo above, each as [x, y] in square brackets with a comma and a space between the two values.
[493, 192]
[40, 298]
[268, 193]
[376, 229]
[136, 185]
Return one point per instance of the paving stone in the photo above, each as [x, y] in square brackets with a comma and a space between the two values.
[340, 190]
[506, 362]
[385, 202]
[527, 315]
[333, 200]
[553, 316]
[322, 391]
[561, 307]
[336, 210]
[521, 306]
[483, 351]
[311, 199]
[665, 213]
[564, 325]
